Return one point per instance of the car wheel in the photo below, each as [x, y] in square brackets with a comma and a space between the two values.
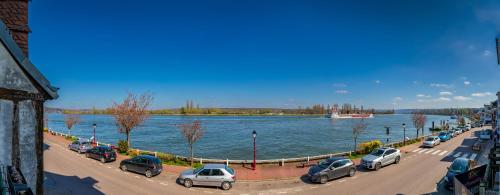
[188, 183]
[87, 155]
[226, 185]
[323, 179]
[148, 174]
[352, 172]
[123, 167]
[378, 166]
[103, 160]
[396, 161]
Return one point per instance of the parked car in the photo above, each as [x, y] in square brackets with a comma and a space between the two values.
[218, 175]
[458, 131]
[468, 127]
[459, 165]
[485, 134]
[431, 141]
[381, 157]
[101, 153]
[80, 146]
[331, 168]
[452, 133]
[444, 136]
[143, 164]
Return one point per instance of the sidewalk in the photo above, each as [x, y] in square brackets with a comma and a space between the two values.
[243, 172]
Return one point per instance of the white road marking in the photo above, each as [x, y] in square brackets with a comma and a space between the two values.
[298, 190]
[165, 184]
[137, 177]
[416, 150]
[150, 180]
[282, 192]
[465, 155]
[457, 154]
[343, 180]
[314, 187]
[473, 156]
[109, 167]
[208, 192]
[424, 150]
[435, 152]
[442, 153]
[429, 151]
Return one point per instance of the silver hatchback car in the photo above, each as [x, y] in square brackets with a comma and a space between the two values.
[381, 157]
[80, 146]
[218, 175]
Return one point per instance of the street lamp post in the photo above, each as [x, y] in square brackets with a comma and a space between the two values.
[254, 164]
[94, 126]
[404, 134]
[387, 131]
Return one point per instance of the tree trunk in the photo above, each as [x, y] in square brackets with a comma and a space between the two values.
[128, 138]
[355, 140]
[417, 132]
[192, 155]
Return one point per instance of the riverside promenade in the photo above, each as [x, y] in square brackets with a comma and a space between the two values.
[263, 172]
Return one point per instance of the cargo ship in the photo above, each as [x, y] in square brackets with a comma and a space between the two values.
[335, 114]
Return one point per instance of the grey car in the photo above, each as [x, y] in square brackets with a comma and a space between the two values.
[218, 175]
[381, 157]
[331, 168]
[80, 146]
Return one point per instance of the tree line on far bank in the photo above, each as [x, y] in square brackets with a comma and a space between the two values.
[191, 109]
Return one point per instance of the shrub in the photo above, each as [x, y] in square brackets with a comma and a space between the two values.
[368, 147]
[122, 146]
[71, 138]
[45, 129]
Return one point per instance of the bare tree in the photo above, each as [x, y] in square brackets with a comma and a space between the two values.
[70, 120]
[357, 129]
[419, 120]
[131, 113]
[192, 132]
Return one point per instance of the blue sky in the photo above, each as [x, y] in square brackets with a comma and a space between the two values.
[383, 54]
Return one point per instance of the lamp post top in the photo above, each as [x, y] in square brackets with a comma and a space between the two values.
[254, 134]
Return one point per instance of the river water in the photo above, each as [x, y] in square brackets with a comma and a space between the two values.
[231, 136]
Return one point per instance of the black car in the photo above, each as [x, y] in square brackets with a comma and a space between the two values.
[144, 164]
[102, 153]
[332, 168]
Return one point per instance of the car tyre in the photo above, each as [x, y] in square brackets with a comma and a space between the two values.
[123, 167]
[226, 185]
[323, 179]
[87, 155]
[378, 166]
[148, 174]
[188, 183]
[352, 172]
[103, 160]
[396, 161]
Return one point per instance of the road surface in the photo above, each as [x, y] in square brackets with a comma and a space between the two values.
[419, 172]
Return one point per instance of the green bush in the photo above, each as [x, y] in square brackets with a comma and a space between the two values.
[368, 147]
[122, 146]
[71, 138]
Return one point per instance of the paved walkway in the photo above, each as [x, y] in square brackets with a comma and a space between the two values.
[244, 173]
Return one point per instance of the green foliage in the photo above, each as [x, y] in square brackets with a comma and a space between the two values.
[368, 147]
[71, 138]
[122, 146]
[435, 129]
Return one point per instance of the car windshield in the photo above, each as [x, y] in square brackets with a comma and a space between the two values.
[197, 170]
[429, 139]
[377, 153]
[458, 166]
[325, 163]
[442, 134]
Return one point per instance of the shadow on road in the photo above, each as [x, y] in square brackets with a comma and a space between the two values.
[465, 147]
[61, 184]
[45, 146]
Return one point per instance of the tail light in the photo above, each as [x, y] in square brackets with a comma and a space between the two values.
[106, 155]
[233, 177]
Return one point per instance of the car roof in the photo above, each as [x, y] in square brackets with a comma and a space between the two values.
[333, 159]
[103, 147]
[214, 166]
[147, 156]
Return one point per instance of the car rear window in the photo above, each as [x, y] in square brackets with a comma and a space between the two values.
[230, 170]
[156, 161]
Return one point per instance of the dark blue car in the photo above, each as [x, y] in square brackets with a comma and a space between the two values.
[444, 136]
[459, 165]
